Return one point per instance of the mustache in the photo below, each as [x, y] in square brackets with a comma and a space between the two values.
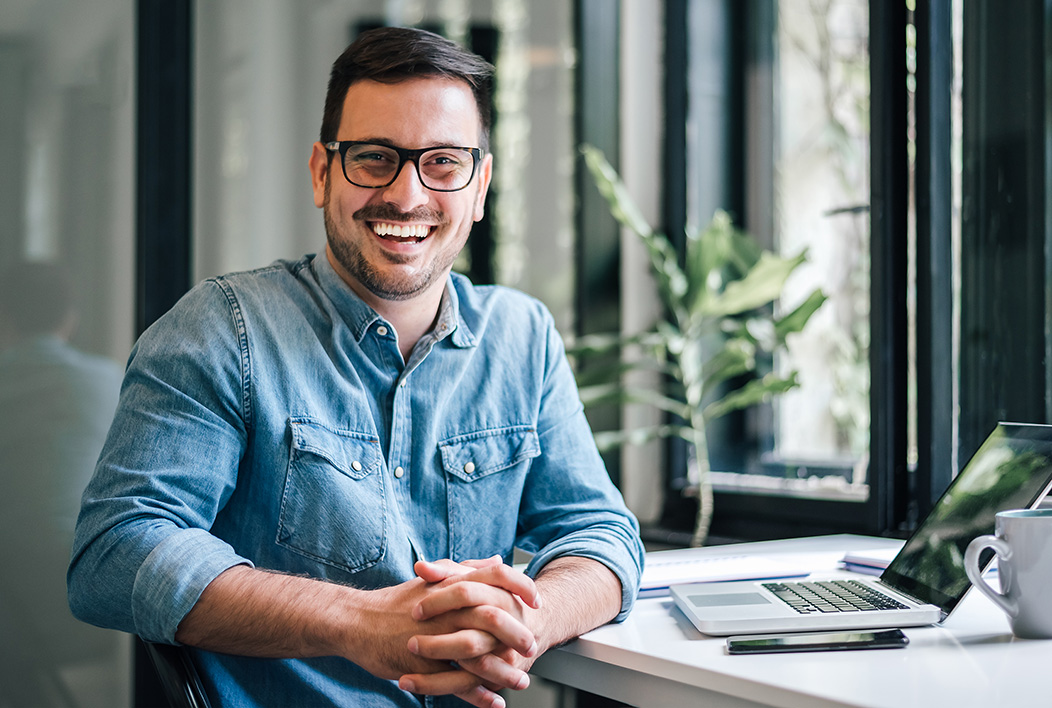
[387, 212]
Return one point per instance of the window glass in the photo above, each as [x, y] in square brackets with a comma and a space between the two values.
[66, 325]
[261, 75]
[807, 188]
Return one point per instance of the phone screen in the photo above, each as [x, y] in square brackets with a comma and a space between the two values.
[811, 641]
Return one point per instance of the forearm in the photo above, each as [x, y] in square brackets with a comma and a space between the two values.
[253, 612]
[578, 595]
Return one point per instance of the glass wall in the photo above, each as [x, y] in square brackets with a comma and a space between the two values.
[261, 74]
[66, 325]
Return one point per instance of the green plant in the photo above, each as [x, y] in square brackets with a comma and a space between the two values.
[718, 318]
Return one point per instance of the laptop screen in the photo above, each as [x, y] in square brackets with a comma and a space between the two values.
[1011, 470]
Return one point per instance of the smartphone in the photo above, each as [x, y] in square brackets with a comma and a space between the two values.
[817, 641]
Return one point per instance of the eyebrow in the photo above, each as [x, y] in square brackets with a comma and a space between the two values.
[390, 143]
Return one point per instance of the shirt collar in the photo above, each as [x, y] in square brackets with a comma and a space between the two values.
[360, 317]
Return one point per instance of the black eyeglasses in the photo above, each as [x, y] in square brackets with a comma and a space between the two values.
[441, 169]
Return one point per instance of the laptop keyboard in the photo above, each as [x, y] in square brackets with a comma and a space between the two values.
[809, 597]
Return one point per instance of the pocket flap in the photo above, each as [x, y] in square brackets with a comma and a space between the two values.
[476, 455]
[354, 454]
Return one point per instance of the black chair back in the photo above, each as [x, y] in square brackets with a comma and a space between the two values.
[179, 680]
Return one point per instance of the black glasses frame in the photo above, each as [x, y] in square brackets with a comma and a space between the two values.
[404, 155]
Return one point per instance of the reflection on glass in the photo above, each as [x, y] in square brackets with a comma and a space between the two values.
[56, 403]
[1011, 470]
[67, 133]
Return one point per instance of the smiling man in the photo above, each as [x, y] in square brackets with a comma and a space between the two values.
[319, 470]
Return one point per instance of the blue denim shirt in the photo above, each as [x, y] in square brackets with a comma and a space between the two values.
[269, 419]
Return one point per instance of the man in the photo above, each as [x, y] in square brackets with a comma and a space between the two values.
[318, 470]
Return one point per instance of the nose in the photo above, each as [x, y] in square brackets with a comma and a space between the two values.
[407, 191]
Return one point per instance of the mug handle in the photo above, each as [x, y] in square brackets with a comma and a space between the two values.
[971, 566]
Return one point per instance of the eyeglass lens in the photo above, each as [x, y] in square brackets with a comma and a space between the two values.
[377, 166]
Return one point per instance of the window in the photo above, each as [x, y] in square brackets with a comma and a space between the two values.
[781, 131]
[67, 175]
[946, 229]
[822, 92]
[807, 189]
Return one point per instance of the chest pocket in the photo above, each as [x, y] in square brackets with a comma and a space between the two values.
[477, 455]
[486, 472]
[334, 507]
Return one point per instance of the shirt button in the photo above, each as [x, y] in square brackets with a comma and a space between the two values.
[382, 331]
[403, 382]
[357, 466]
[399, 472]
[469, 468]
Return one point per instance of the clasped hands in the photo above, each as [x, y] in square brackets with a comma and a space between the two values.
[472, 628]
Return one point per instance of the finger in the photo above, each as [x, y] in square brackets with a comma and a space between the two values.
[437, 571]
[482, 696]
[488, 672]
[482, 629]
[460, 683]
[495, 672]
[455, 646]
[459, 594]
[507, 578]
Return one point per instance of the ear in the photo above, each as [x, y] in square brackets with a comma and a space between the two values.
[319, 172]
[484, 176]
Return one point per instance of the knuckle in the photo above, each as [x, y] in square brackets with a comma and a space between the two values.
[489, 614]
[477, 644]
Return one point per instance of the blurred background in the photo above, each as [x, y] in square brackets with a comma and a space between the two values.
[148, 144]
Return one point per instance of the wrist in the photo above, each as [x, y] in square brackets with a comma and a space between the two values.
[344, 630]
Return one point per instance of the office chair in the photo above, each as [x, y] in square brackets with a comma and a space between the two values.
[179, 680]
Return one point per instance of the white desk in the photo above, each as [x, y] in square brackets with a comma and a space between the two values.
[656, 658]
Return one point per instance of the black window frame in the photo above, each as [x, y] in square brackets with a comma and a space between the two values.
[891, 505]
[1005, 360]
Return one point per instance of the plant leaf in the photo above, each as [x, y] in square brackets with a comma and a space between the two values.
[607, 440]
[737, 356]
[761, 285]
[622, 206]
[617, 393]
[594, 374]
[797, 319]
[671, 281]
[750, 394]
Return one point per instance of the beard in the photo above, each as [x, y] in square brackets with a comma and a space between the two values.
[399, 285]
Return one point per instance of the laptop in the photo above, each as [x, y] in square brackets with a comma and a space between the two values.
[925, 581]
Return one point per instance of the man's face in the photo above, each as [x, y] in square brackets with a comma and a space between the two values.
[418, 113]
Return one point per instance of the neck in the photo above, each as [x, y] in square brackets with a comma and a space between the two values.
[411, 318]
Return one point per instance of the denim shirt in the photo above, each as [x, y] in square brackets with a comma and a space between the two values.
[269, 419]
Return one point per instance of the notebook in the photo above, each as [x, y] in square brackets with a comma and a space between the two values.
[664, 569]
[925, 581]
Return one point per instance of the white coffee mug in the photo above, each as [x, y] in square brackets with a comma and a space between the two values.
[1022, 541]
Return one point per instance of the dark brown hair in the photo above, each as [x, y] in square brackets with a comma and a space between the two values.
[393, 54]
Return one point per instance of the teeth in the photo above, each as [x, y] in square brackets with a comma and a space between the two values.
[416, 231]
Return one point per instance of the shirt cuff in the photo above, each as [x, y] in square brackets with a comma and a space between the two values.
[621, 562]
[172, 578]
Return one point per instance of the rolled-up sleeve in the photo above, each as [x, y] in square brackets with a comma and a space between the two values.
[142, 553]
[570, 505]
